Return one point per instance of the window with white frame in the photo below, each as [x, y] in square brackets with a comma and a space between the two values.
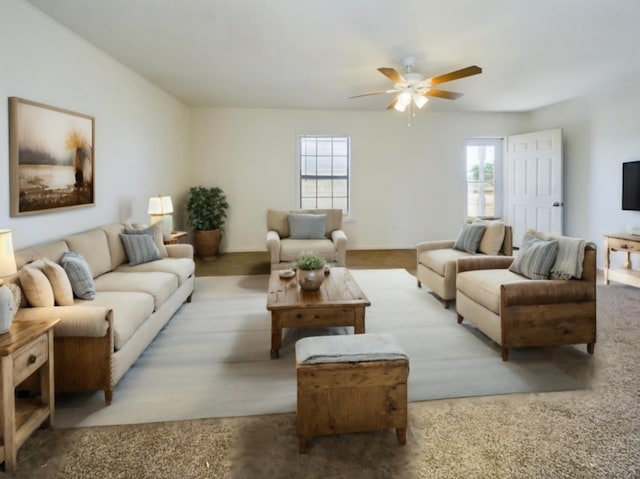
[483, 161]
[324, 172]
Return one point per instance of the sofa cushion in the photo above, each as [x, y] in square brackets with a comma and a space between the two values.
[303, 226]
[140, 248]
[116, 248]
[94, 248]
[57, 276]
[158, 284]
[438, 259]
[493, 236]
[183, 268]
[130, 310]
[535, 257]
[53, 251]
[80, 275]
[483, 285]
[291, 248]
[469, 237]
[36, 286]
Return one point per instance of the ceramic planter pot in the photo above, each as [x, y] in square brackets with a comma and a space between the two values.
[310, 279]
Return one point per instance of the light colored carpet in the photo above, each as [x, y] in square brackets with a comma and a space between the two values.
[588, 434]
[212, 358]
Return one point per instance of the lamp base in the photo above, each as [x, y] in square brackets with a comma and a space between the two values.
[7, 309]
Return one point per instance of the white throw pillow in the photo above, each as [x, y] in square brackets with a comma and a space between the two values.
[62, 291]
[493, 236]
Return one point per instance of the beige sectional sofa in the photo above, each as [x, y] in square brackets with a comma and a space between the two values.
[98, 340]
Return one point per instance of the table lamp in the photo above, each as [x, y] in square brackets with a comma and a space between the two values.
[7, 268]
[161, 209]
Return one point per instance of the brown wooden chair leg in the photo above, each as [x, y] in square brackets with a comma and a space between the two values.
[446, 303]
[460, 318]
[591, 347]
[419, 284]
[505, 354]
[189, 298]
[108, 396]
[303, 444]
[401, 433]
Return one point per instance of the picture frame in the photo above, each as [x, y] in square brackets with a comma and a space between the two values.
[51, 158]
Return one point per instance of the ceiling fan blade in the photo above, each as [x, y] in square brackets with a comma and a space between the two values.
[392, 74]
[380, 92]
[464, 72]
[449, 95]
[393, 103]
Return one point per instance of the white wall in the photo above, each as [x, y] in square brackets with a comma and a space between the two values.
[406, 181]
[600, 132]
[141, 133]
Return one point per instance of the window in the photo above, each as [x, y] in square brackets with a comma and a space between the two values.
[482, 164]
[324, 167]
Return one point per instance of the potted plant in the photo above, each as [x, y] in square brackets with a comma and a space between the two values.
[206, 214]
[310, 268]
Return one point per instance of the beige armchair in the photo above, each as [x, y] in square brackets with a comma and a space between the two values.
[515, 311]
[284, 249]
[437, 262]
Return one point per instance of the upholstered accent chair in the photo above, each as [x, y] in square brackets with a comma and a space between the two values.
[437, 260]
[515, 311]
[291, 232]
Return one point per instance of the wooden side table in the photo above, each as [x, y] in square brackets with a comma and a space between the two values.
[25, 349]
[627, 244]
[177, 237]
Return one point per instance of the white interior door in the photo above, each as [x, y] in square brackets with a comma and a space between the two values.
[534, 183]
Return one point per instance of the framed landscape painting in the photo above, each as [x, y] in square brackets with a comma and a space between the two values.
[51, 158]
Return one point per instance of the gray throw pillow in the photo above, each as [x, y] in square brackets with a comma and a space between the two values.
[535, 257]
[154, 231]
[140, 248]
[79, 274]
[304, 226]
[469, 237]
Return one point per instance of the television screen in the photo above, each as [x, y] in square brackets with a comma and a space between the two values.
[631, 185]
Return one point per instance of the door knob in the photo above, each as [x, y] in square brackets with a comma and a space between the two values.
[556, 204]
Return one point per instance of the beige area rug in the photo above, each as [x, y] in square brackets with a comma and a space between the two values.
[212, 359]
[588, 433]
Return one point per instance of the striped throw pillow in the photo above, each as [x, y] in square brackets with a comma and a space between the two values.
[140, 248]
[79, 274]
[469, 237]
[535, 257]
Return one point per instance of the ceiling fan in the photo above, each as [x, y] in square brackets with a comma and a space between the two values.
[413, 88]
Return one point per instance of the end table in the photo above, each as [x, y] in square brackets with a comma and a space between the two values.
[25, 349]
[176, 237]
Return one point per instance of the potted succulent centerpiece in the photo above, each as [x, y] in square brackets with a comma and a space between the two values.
[206, 214]
[310, 270]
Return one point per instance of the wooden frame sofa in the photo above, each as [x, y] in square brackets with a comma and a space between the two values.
[515, 311]
[99, 339]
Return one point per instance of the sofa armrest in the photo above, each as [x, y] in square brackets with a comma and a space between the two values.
[484, 262]
[273, 246]
[429, 245]
[547, 291]
[75, 321]
[181, 250]
[339, 239]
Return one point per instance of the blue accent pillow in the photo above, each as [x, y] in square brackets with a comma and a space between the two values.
[469, 237]
[306, 226]
[535, 257]
[79, 274]
[140, 248]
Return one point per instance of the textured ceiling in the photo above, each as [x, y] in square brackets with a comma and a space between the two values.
[316, 53]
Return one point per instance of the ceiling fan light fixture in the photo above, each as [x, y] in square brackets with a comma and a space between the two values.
[404, 99]
[419, 100]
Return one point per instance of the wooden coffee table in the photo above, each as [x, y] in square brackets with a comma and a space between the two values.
[338, 302]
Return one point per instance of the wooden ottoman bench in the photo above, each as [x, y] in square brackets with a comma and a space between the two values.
[351, 383]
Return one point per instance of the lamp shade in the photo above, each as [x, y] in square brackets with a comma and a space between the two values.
[7, 260]
[160, 205]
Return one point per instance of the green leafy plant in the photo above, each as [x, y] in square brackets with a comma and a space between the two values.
[206, 208]
[310, 260]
